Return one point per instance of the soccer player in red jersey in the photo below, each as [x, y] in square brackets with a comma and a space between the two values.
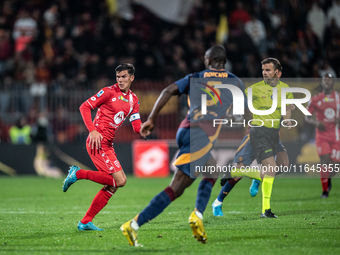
[326, 106]
[115, 103]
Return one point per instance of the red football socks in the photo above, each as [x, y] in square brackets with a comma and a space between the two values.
[98, 203]
[96, 176]
[324, 174]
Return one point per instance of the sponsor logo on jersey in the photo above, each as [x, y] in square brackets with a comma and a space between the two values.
[329, 113]
[122, 98]
[93, 98]
[100, 93]
[213, 90]
[114, 99]
[113, 125]
[326, 99]
[119, 117]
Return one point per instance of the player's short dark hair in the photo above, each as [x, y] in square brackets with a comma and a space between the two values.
[217, 53]
[319, 88]
[126, 66]
[274, 61]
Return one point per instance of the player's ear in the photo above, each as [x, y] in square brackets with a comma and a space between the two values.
[132, 78]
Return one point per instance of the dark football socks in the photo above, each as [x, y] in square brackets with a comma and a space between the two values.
[156, 206]
[226, 189]
[203, 193]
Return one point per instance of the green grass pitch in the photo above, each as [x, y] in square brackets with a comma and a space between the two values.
[36, 217]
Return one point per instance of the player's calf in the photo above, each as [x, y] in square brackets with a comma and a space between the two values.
[120, 178]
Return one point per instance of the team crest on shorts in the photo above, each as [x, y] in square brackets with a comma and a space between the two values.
[240, 158]
[116, 162]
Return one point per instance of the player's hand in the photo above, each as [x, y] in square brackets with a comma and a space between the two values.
[288, 124]
[320, 126]
[95, 140]
[146, 128]
[292, 107]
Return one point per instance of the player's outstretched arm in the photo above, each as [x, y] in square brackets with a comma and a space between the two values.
[163, 98]
[146, 128]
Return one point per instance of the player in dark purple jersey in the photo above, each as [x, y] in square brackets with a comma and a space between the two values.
[192, 151]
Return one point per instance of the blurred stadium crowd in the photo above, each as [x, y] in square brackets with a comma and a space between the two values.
[56, 54]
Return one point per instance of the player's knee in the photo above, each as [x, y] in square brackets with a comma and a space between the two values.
[325, 159]
[121, 182]
[111, 188]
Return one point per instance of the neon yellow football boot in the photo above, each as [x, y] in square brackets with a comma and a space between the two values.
[196, 224]
[130, 233]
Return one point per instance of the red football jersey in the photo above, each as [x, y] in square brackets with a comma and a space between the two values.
[326, 108]
[114, 107]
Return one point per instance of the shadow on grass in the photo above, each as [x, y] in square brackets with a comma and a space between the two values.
[298, 212]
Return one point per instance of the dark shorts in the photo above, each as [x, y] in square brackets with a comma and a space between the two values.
[264, 142]
[245, 153]
[194, 149]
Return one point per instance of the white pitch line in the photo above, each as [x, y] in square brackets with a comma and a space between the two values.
[113, 212]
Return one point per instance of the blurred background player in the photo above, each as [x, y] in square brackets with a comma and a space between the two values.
[205, 138]
[115, 103]
[326, 107]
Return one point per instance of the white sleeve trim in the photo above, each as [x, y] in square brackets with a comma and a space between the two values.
[90, 104]
[134, 116]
